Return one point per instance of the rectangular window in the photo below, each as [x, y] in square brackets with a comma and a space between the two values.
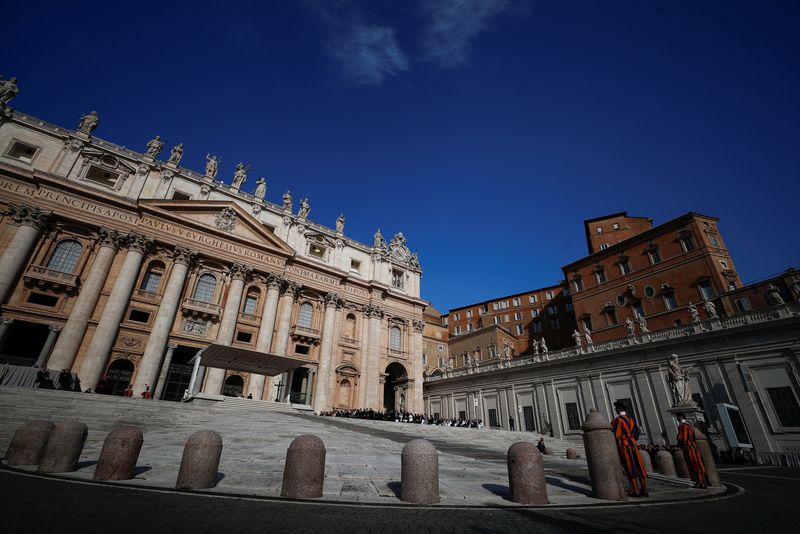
[102, 176]
[21, 151]
[599, 229]
[517, 316]
[706, 291]
[687, 242]
[520, 329]
[555, 324]
[440, 348]
[625, 267]
[41, 299]
[611, 316]
[457, 317]
[552, 310]
[515, 302]
[601, 276]
[495, 306]
[469, 314]
[469, 327]
[570, 307]
[548, 295]
[742, 305]
[587, 322]
[180, 195]
[424, 359]
[505, 318]
[655, 255]
[535, 312]
[573, 417]
[497, 319]
[713, 239]
[533, 299]
[355, 266]
[139, 316]
[537, 326]
[397, 279]
[301, 349]
[603, 246]
[244, 337]
[669, 300]
[493, 422]
[637, 310]
[484, 309]
[504, 304]
[785, 404]
[250, 303]
[615, 226]
[723, 264]
[150, 281]
[577, 284]
[458, 330]
[317, 251]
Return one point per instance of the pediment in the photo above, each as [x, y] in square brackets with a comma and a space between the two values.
[218, 217]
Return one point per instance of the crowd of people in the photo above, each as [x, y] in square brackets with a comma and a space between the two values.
[403, 417]
[67, 381]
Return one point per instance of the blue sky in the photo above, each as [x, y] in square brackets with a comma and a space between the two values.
[486, 131]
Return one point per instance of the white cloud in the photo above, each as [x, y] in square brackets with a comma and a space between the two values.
[452, 24]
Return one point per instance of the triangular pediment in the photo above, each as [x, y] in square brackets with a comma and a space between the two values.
[219, 217]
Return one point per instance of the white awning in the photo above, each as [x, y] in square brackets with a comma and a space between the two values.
[248, 361]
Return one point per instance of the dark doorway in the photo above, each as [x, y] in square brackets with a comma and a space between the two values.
[527, 413]
[395, 376]
[24, 342]
[179, 374]
[119, 376]
[234, 385]
[298, 392]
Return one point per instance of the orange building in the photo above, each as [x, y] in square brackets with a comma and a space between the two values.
[649, 275]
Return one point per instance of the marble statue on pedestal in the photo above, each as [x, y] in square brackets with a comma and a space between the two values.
[377, 239]
[8, 90]
[340, 224]
[305, 209]
[261, 188]
[287, 201]
[642, 324]
[212, 166]
[710, 308]
[587, 334]
[774, 296]
[679, 383]
[239, 176]
[89, 123]
[176, 154]
[154, 147]
[543, 345]
[695, 314]
[630, 326]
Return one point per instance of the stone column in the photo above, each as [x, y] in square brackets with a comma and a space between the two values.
[162, 377]
[48, 345]
[31, 221]
[416, 356]
[195, 373]
[74, 331]
[312, 387]
[165, 319]
[5, 323]
[265, 331]
[227, 327]
[290, 292]
[325, 380]
[374, 314]
[106, 332]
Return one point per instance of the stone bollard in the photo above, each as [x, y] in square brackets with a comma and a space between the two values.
[526, 474]
[708, 459]
[28, 443]
[665, 464]
[120, 452]
[648, 463]
[681, 469]
[605, 471]
[200, 461]
[572, 454]
[419, 472]
[548, 451]
[304, 472]
[63, 448]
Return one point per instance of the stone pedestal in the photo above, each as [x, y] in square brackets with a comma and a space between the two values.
[572, 454]
[666, 466]
[63, 448]
[304, 472]
[200, 461]
[681, 469]
[708, 459]
[648, 463]
[693, 414]
[419, 478]
[602, 459]
[526, 474]
[119, 454]
[28, 443]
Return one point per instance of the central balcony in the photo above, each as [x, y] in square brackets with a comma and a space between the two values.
[201, 309]
[305, 334]
[38, 275]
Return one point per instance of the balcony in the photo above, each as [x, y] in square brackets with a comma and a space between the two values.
[305, 334]
[397, 353]
[148, 296]
[344, 340]
[40, 276]
[200, 309]
[249, 318]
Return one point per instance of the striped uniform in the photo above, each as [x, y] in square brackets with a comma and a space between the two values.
[688, 444]
[626, 432]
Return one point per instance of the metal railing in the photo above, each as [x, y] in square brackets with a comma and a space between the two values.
[40, 272]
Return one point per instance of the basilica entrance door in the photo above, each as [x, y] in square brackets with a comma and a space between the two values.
[179, 374]
[396, 376]
[119, 376]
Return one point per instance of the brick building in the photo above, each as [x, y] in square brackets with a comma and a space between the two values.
[636, 270]
[435, 352]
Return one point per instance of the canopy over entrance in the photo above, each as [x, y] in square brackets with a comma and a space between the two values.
[248, 361]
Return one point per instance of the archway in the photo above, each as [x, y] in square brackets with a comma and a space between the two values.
[393, 390]
[119, 375]
[234, 385]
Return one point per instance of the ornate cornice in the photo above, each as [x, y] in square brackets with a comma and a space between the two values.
[183, 255]
[240, 271]
[138, 242]
[332, 299]
[274, 281]
[25, 215]
[107, 237]
[373, 311]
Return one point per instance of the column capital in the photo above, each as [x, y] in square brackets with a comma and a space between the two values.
[373, 311]
[55, 327]
[139, 243]
[291, 288]
[172, 346]
[274, 281]
[240, 271]
[6, 320]
[419, 326]
[106, 237]
[25, 215]
[332, 299]
[183, 255]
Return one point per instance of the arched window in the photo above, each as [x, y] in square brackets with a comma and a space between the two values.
[204, 291]
[394, 338]
[251, 302]
[350, 326]
[151, 280]
[65, 256]
[306, 315]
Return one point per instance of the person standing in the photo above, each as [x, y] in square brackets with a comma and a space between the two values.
[511, 423]
[541, 446]
[626, 432]
[687, 442]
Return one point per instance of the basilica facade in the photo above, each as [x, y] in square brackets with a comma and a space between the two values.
[122, 265]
